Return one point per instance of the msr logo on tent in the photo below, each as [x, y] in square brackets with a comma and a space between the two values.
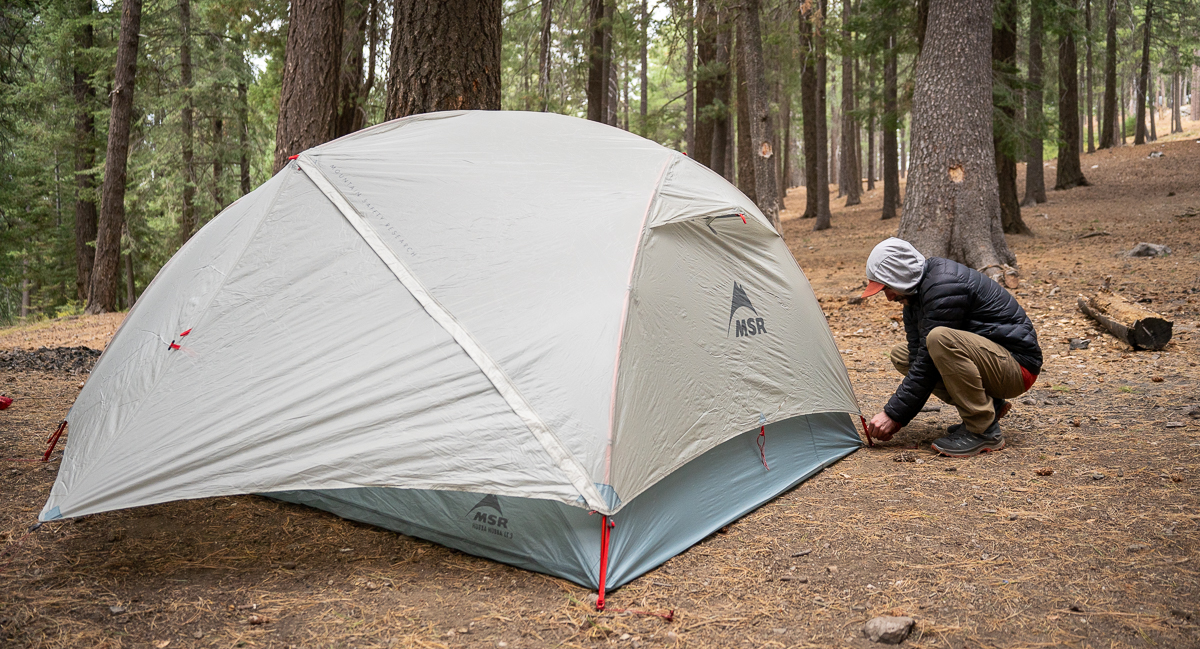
[487, 522]
[749, 326]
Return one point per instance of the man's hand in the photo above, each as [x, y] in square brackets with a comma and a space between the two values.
[881, 427]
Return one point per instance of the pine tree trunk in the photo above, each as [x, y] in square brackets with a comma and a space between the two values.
[1152, 109]
[823, 218]
[1139, 135]
[849, 174]
[835, 149]
[706, 53]
[1068, 171]
[1004, 65]
[187, 220]
[84, 95]
[891, 119]
[808, 109]
[952, 207]
[354, 36]
[1196, 89]
[745, 161]
[1035, 176]
[871, 128]
[1122, 124]
[1108, 125]
[308, 97]
[218, 165]
[785, 147]
[611, 94]
[1090, 101]
[372, 53]
[761, 129]
[243, 137]
[445, 56]
[130, 293]
[689, 79]
[643, 127]
[102, 293]
[722, 136]
[544, 56]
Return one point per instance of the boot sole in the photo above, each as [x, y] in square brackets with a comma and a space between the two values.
[986, 448]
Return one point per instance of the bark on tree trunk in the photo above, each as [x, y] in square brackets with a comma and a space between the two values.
[218, 165]
[445, 56]
[689, 80]
[372, 53]
[1004, 64]
[808, 109]
[849, 173]
[308, 97]
[952, 207]
[1139, 135]
[643, 127]
[354, 32]
[187, 220]
[130, 293]
[745, 161]
[1121, 126]
[243, 137]
[544, 56]
[1196, 89]
[102, 293]
[1088, 46]
[722, 136]
[1035, 176]
[1068, 171]
[1152, 99]
[1108, 127]
[85, 153]
[785, 149]
[706, 52]
[891, 171]
[823, 218]
[871, 127]
[761, 127]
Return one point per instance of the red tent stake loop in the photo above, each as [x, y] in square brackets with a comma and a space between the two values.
[604, 535]
[53, 441]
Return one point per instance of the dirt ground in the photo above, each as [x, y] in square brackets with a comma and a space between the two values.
[1084, 532]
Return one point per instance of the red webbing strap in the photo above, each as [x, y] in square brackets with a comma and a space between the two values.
[762, 446]
[604, 527]
[863, 419]
[53, 441]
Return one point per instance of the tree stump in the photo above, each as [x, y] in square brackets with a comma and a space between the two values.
[1138, 327]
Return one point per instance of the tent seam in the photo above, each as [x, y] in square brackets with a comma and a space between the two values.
[637, 251]
[492, 370]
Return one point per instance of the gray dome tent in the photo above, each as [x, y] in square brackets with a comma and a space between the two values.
[476, 328]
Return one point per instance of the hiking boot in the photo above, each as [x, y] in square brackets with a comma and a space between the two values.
[964, 443]
[999, 405]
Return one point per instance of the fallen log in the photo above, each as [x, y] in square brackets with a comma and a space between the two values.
[1138, 327]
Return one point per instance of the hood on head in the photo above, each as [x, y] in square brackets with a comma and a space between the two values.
[897, 264]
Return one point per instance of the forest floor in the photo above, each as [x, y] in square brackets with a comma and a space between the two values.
[1084, 532]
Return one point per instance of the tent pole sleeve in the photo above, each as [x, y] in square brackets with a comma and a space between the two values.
[549, 441]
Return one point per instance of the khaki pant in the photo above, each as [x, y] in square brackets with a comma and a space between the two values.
[974, 371]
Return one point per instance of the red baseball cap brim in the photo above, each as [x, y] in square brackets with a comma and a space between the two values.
[872, 289]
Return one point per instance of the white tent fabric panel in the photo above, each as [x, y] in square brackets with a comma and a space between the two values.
[134, 360]
[310, 368]
[524, 227]
[724, 335]
[692, 191]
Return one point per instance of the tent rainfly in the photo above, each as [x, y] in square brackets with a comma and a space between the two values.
[477, 328]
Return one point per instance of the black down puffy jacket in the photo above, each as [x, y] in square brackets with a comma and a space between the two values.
[955, 296]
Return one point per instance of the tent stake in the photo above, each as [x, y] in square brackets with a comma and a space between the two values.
[604, 527]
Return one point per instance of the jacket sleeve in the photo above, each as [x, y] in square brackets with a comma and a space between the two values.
[946, 301]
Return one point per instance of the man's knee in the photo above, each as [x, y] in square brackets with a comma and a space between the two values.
[939, 341]
[899, 358]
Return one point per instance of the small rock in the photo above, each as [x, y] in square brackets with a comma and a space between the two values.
[858, 607]
[672, 636]
[855, 300]
[257, 619]
[1156, 154]
[1137, 547]
[1029, 402]
[931, 408]
[502, 644]
[1012, 517]
[1176, 478]
[116, 610]
[463, 630]
[625, 636]
[1045, 471]
[1156, 379]
[1144, 249]
[786, 578]
[1194, 413]
[779, 631]
[1097, 476]
[1174, 424]
[1080, 343]
[802, 553]
[198, 634]
[989, 511]
[888, 630]
[833, 570]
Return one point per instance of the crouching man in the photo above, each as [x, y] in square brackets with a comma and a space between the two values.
[969, 343]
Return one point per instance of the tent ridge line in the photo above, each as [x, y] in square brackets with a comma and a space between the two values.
[503, 384]
[637, 250]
